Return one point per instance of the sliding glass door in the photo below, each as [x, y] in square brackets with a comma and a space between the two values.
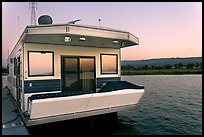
[87, 74]
[78, 73]
[71, 74]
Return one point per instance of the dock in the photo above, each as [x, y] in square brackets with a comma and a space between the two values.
[12, 123]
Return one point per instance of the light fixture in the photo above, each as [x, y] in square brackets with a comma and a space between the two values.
[115, 42]
[67, 39]
[82, 38]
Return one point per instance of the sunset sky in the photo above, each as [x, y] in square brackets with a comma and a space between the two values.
[168, 29]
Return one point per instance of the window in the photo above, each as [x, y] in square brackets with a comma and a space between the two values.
[15, 64]
[18, 66]
[109, 64]
[7, 69]
[40, 63]
[11, 60]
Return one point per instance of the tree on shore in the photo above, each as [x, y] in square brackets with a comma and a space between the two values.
[168, 66]
[190, 66]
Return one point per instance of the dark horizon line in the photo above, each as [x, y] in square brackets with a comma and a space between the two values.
[163, 58]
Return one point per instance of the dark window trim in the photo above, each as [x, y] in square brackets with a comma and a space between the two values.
[18, 65]
[102, 73]
[52, 64]
[15, 66]
[11, 60]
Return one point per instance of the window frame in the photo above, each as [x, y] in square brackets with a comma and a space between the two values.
[52, 64]
[101, 63]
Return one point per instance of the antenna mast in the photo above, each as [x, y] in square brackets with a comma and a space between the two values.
[33, 6]
[18, 26]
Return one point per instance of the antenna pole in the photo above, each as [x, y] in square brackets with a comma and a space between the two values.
[18, 26]
[33, 6]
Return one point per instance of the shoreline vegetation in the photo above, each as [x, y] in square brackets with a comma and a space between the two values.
[168, 69]
[162, 72]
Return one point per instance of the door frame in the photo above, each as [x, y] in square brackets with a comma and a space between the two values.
[78, 61]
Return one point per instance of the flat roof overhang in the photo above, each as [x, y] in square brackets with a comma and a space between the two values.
[90, 41]
[94, 36]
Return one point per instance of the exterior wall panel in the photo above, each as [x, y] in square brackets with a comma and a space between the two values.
[68, 51]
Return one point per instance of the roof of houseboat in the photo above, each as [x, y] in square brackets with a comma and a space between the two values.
[79, 35]
[79, 25]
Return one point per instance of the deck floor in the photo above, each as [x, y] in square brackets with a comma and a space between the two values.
[12, 123]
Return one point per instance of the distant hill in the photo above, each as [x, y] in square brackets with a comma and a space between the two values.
[162, 61]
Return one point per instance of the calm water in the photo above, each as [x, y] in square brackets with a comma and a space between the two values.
[171, 105]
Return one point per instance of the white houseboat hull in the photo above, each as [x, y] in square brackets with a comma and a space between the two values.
[41, 108]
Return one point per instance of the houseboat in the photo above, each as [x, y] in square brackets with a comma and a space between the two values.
[58, 72]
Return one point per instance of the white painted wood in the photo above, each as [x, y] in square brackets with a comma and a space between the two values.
[30, 94]
[59, 106]
[80, 103]
[47, 30]
[79, 30]
[115, 98]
